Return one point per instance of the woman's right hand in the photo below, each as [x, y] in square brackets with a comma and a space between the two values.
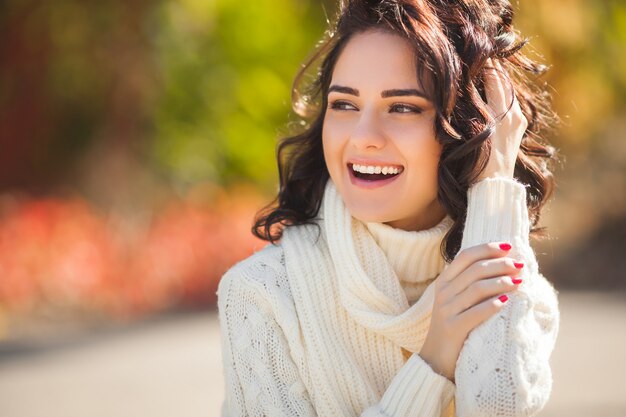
[466, 294]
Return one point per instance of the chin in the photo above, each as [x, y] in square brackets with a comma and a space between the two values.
[369, 215]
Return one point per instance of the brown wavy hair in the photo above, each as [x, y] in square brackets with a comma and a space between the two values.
[453, 41]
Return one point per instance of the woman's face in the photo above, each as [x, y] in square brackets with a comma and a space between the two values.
[378, 121]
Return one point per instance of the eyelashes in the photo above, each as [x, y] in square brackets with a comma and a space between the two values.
[405, 108]
[401, 108]
[341, 105]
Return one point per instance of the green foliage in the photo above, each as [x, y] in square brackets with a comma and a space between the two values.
[203, 86]
[226, 68]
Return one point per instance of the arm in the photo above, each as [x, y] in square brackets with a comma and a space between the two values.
[260, 376]
[262, 379]
[503, 368]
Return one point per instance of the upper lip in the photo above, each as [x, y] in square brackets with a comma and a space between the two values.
[373, 163]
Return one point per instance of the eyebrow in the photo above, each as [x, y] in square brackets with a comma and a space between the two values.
[396, 92]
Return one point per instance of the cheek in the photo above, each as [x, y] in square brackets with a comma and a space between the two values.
[422, 153]
[333, 138]
[335, 129]
[418, 130]
[430, 162]
[331, 148]
[426, 162]
[419, 147]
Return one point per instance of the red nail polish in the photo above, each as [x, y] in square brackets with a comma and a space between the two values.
[505, 246]
[518, 265]
[503, 298]
[517, 280]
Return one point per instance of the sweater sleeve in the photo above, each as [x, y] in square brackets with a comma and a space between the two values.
[262, 379]
[260, 376]
[416, 390]
[503, 368]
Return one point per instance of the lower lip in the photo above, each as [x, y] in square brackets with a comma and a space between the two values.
[359, 182]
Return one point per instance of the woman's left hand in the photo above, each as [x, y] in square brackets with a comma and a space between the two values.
[510, 126]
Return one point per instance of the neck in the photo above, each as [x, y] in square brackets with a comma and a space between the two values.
[429, 218]
[414, 255]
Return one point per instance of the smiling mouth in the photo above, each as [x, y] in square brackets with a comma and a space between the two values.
[374, 173]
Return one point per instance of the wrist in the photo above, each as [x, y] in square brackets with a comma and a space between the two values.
[497, 174]
[432, 361]
[496, 211]
[498, 166]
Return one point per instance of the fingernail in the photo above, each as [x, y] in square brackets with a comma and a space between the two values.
[505, 246]
[518, 265]
[517, 280]
[503, 298]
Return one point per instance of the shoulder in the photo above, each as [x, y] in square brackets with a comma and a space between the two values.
[261, 264]
[262, 275]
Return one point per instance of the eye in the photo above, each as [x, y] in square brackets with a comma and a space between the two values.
[342, 105]
[404, 108]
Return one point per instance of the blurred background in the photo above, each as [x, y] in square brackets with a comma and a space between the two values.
[136, 143]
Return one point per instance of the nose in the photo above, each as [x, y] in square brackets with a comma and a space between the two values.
[367, 133]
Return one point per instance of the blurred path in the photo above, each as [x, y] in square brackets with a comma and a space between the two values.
[588, 363]
[166, 367]
[172, 367]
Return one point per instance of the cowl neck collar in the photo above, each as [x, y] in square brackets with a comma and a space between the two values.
[373, 260]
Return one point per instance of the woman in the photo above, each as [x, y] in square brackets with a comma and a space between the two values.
[403, 283]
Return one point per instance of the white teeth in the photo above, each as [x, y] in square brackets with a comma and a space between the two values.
[370, 169]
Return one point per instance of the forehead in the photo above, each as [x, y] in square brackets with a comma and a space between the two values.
[377, 60]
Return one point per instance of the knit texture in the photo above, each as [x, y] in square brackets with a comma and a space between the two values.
[328, 322]
[414, 256]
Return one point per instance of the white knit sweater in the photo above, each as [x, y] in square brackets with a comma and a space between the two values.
[317, 325]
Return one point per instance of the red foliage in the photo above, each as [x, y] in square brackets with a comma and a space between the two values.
[65, 254]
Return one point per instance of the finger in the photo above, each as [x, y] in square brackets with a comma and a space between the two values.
[465, 258]
[482, 270]
[476, 315]
[507, 86]
[494, 89]
[480, 290]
